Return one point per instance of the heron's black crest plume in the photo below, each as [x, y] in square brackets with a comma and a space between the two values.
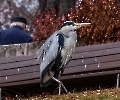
[67, 23]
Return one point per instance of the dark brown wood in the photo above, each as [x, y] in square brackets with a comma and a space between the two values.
[90, 74]
[92, 67]
[20, 82]
[18, 71]
[20, 77]
[97, 47]
[96, 53]
[88, 61]
[16, 59]
[94, 60]
[27, 61]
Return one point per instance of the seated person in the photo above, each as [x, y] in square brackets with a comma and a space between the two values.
[16, 33]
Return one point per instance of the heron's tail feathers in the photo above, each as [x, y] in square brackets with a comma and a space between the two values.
[46, 83]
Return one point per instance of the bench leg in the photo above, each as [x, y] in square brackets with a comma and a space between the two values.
[0, 93]
[118, 78]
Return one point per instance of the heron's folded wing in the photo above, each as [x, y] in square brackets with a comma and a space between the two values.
[50, 55]
[46, 46]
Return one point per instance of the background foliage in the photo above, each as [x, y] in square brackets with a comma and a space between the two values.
[46, 16]
[104, 16]
[29, 9]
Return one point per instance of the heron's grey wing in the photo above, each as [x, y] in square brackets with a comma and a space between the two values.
[48, 51]
[45, 47]
[51, 61]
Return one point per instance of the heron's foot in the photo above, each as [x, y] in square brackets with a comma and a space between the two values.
[60, 85]
[64, 87]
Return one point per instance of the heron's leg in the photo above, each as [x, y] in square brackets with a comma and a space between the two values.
[60, 84]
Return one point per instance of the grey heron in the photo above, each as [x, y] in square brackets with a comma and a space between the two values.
[56, 52]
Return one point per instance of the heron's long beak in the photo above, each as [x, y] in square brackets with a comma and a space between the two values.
[78, 25]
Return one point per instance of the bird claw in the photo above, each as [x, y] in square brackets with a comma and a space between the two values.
[60, 85]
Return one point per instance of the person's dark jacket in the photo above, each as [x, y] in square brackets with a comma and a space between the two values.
[14, 35]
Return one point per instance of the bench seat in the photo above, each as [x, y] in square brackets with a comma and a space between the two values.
[87, 61]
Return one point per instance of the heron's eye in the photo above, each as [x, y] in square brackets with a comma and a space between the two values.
[71, 30]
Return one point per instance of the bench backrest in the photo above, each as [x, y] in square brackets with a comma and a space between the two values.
[18, 70]
[94, 60]
[86, 61]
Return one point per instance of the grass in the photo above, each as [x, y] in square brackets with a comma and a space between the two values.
[102, 94]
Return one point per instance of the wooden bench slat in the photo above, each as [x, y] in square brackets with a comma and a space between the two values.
[19, 58]
[19, 77]
[18, 71]
[19, 64]
[91, 67]
[90, 74]
[96, 53]
[94, 60]
[97, 47]
[20, 82]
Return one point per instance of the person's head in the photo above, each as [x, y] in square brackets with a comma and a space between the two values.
[19, 21]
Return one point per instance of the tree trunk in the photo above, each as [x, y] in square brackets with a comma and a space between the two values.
[59, 5]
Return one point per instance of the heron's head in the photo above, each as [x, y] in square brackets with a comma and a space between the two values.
[70, 26]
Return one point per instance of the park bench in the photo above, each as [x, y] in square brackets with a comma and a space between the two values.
[86, 61]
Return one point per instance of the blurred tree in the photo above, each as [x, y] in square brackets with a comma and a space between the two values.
[59, 5]
[104, 16]
[10, 8]
[29, 9]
